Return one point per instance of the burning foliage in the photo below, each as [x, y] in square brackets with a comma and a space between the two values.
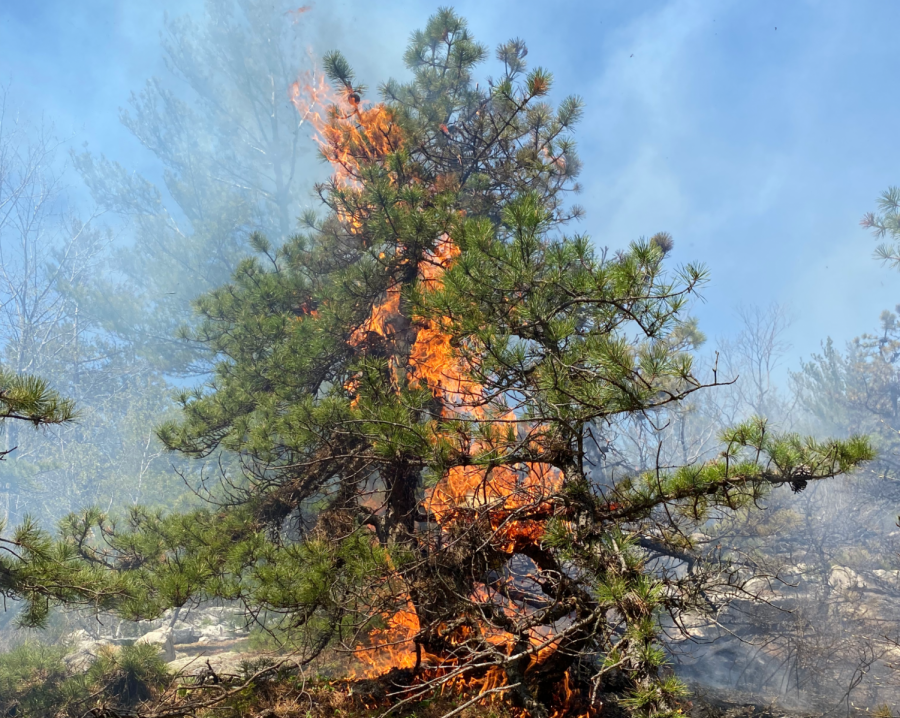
[413, 391]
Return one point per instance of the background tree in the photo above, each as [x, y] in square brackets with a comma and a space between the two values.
[821, 636]
[99, 318]
[236, 157]
[826, 635]
[49, 258]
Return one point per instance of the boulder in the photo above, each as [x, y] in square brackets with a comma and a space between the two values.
[892, 577]
[845, 579]
[162, 637]
[216, 633]
[184, 633]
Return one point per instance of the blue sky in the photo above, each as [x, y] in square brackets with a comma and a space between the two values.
[758, 148]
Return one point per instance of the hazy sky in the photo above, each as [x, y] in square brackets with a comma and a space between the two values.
[757, 133]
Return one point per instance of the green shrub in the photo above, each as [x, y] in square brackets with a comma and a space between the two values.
[35, 683]
[128, 676]
[31, 679]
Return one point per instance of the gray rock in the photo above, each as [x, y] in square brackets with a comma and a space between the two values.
[887, 576]
[184, 633]
[162, 637]
[217, 632]
[845, 579]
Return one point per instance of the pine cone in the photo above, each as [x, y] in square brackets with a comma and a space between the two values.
[800, 478]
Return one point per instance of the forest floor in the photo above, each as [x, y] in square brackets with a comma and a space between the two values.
[344, 699]
[369, 699]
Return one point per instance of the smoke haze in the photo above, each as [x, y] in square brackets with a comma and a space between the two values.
[757, 134]
[757, 148]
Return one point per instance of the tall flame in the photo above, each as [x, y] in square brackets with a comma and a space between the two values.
[347, 145]
[350, 134]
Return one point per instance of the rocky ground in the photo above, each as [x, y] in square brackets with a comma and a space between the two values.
[211, 638]
[709, 702]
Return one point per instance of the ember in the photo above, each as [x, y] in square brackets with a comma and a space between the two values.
[295, 14]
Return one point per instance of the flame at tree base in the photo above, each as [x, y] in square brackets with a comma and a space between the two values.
[393, 657]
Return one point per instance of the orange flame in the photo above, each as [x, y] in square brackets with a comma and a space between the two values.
[392, 646]
[432, 360]
[516, 500]
[348, 133]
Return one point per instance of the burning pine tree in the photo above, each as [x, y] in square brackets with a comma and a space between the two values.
[415, 392]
